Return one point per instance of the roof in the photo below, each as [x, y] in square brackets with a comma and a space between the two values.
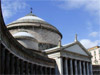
[66, 46]
[23, 34]
[95, 47]
[32, 20]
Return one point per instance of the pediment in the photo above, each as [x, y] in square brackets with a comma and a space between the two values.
[76, 48]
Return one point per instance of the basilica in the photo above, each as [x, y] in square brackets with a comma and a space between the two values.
[31, 46]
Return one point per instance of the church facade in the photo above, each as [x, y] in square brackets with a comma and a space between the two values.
[95, 52]
[30, 45]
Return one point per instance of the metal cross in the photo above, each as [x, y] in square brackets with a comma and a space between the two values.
[31, 10]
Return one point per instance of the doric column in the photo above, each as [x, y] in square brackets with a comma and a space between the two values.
[80, 68]
[21, 66]
[61, 66]
[7, 63]
[87, 68]
[56, 70]
[31, 70]
[26, 68]
[66, 66]
[71, 67]
[84, 70]
[75, 62]
[2, 60]
[50, 71]
[45, 70]
[41, 70]
[12, 65]
[90, 66]
[16, 65]
[34, 69]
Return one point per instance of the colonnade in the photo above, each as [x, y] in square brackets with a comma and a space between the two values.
[75, 67]
[13, 65]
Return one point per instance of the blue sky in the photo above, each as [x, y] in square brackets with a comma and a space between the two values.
[68, 16]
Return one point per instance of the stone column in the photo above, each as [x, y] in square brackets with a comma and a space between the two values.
[16, 65]
[31, 70]
[90, 66]
[12, 65]
[53, 71]
[61, 66]
[21, 66]
[41, 70]
[66, 66]
[80, 68]
[50, 71]
[56, 70]
[26, 68]
[45, 70]
[34, 69]
[7, 62]
[84, 70]
[2, 60]
[87, 66]
[75, 62]
[71, 67]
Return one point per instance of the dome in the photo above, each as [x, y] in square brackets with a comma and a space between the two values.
[27, 40]
[46, 34]
[30, 18]
[23, 34]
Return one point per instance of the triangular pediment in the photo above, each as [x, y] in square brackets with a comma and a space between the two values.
[77, 48]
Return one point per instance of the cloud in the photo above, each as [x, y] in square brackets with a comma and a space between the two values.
[92, 6]
[11, 7]
[88, 43]
[94, 34]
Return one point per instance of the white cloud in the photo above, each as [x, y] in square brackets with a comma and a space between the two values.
[88, 43]
[92, 6]
[11, 7]
[94, 34]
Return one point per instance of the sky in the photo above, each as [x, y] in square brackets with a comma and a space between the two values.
[70, 17]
